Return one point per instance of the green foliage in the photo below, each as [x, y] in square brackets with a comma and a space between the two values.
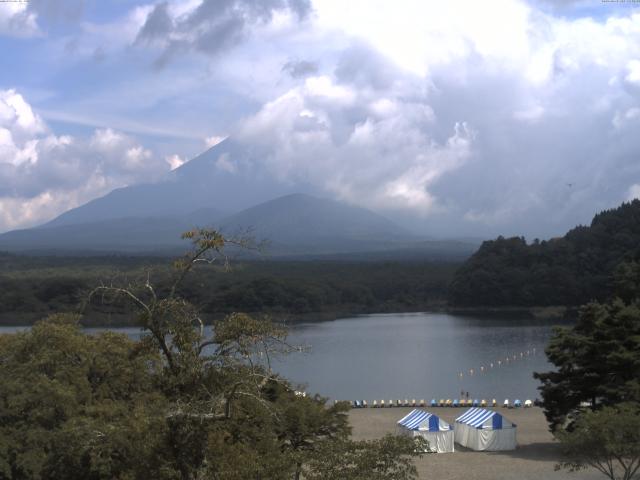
[607, 440]
[597, 360]
[571, 270]
[180, 403]
[389, 458]
[76, 406]
[33, 287]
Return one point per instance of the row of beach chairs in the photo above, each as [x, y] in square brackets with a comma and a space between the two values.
[442, 403]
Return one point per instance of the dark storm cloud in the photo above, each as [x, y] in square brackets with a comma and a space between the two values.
[158, 25]
[213, 26]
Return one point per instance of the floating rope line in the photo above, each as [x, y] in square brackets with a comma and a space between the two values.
[498, 363]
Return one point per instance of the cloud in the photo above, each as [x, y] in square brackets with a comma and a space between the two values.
[356, 145]
[56, 11]
[300, 68]
[43, 174]
[175, 161]
[461, 119]
[211, 26]
[634, 192]
[16, 20]
[213, 140]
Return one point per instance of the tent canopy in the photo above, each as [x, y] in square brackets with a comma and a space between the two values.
[482, 418]
[423, 421]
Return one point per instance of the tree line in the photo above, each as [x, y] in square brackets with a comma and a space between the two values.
[571, 270]
[283, 289]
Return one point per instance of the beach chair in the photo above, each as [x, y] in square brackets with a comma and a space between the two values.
[422, 403]
[434, 403]
[483, 403]
[475, 403]
[399, 403]
[375, 404]
[527, 403]
[413, 402]
[449, 402]
[441, 403]
[456, 403]
[517, 403]
[381, 403]
[505, 404]
[390, 403]
[364, 404]
[356, 404]
[494, 403]
[406, 403]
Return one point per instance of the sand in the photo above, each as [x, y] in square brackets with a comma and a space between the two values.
[534, 459]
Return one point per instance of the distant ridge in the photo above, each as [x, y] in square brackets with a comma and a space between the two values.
[570, 270]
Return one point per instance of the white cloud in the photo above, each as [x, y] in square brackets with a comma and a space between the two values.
[383, 157]
[16, 20]
[213, 140]
[361, 100]
[43, 174]
[174, 161]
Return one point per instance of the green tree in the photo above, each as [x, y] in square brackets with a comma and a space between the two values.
[388, 458]
[77, 406]
[597, 360]
[187, 401]
[607, 440]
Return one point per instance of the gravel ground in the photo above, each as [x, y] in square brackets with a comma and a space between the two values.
[534, 459]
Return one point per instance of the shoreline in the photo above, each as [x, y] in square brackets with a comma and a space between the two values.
[560, 313]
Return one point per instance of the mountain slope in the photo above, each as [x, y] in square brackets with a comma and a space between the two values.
[292, 224]
[301, 222]
[226, 177]
[131, 234]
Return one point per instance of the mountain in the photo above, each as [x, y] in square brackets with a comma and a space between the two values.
[300, 223]
[583, 265]
[226, 187]
[227, 177]
[129, 234]
[292, 224]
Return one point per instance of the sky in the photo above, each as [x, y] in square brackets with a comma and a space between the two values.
[463, 118]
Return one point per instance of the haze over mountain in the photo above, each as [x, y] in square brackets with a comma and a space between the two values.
[300, 223]
[226, 177]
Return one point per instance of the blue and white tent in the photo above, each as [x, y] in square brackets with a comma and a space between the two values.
[480, 429]
[420, 423]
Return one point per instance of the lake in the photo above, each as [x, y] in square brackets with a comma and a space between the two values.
[420, 356]
[415, 355]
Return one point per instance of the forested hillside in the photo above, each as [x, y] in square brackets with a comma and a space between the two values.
[31, 287]
[570, 270]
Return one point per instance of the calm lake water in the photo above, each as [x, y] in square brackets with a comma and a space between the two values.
[418, 355]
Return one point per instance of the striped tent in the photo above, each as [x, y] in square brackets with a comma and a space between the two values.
[420, 423]
[481, 429]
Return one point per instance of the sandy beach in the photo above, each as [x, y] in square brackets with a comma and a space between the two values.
[534, 459]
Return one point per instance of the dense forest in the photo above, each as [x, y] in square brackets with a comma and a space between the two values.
[31, 287]
[571, 270]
